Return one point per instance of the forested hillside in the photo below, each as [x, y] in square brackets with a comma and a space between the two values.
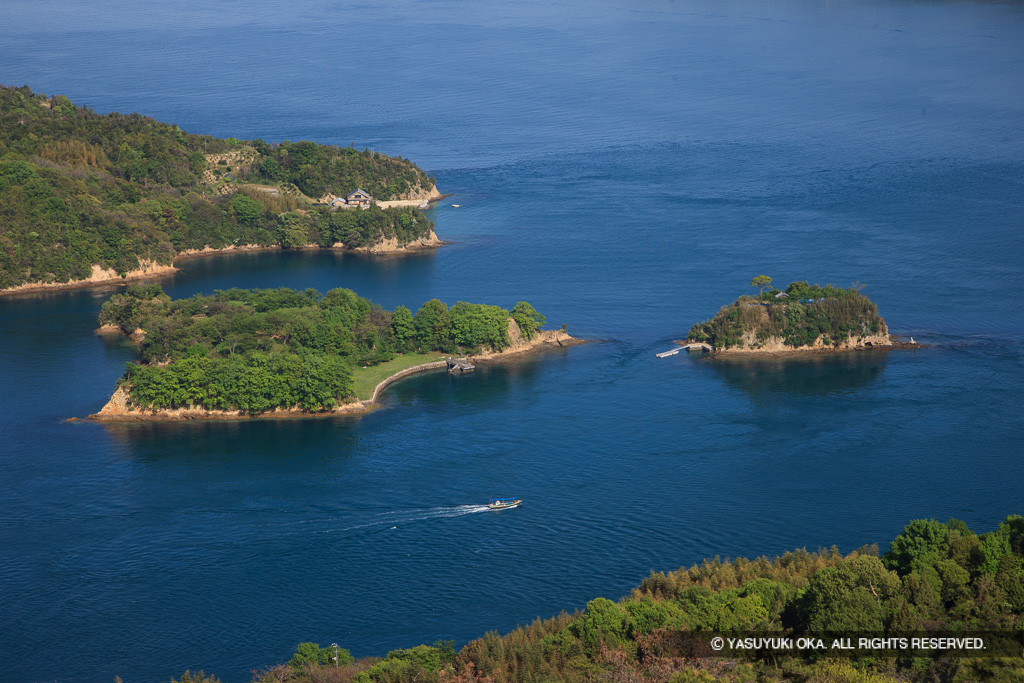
[934, 579]
[801, 316]
[80, 189]
[257, 350]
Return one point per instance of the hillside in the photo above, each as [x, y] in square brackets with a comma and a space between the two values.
[85, 195]
[803, 317]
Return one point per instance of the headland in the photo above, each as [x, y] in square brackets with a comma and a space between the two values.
[95, 199]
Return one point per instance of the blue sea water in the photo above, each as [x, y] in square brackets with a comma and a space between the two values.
[627, 167]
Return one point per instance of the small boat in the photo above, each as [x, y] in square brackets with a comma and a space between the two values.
[456, 206]
[504, 503]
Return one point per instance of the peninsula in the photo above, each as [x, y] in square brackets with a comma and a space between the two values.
[242, 354]
[802, 318]
[91, 198]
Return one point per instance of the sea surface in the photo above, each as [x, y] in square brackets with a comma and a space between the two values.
[627, 167]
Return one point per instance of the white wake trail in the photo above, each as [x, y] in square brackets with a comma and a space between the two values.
[395, 518]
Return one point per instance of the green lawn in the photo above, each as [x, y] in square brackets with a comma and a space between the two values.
[368, 378]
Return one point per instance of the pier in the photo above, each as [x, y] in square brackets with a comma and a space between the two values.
[459, 365]
[693, 346]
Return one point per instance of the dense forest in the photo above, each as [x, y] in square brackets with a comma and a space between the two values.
[79, 189]
[319, 169]
[256, 350]
[802, 315]
[934, 579]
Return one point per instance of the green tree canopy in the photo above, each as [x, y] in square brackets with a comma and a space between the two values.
[761, 282]
[528, 319]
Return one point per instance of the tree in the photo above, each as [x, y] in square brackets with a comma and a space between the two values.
[603, 621]
[479, 325]
[761, 282]
[292, 230]
[920, 542]
[433, 326]
[312, 653]
[528, 319]
[248, 210]
[403, 328]
[850, 597]
[189, 677]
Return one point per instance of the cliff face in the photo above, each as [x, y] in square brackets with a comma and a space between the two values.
[390, 245]
[778, 345]
[151, 269]
[412, 198]
[421, 194]
[99, 276]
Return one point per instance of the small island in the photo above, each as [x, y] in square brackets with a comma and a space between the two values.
[803, 318]
[103, 198]
[241, 354]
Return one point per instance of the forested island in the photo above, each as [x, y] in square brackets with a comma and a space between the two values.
[803, 317]
[88, 197]
[935, 580]
[239, 353]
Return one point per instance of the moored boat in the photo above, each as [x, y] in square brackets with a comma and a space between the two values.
[504, 503]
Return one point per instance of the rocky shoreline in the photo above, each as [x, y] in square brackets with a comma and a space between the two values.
[775, 348]
[99, 276]
[152, 270]
[413, 199]
[120, 408]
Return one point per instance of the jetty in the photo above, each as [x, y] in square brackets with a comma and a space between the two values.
[692, 346]
[459, 365]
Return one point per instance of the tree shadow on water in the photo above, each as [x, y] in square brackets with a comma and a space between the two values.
[811, 376]
[254, 444]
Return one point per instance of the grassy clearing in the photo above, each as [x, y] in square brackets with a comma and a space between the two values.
[368, 378]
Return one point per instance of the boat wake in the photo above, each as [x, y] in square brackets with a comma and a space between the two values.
[393, 519]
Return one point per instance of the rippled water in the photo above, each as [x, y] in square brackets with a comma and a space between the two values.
[627, 168]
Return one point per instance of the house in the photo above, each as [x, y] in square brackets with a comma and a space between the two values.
[338, 201]
[782, 295]
[359, 198]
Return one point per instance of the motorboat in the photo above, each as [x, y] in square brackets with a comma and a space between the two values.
[504, 503]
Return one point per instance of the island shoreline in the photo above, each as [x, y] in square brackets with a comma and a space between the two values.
[153, 271]
[749, 354]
